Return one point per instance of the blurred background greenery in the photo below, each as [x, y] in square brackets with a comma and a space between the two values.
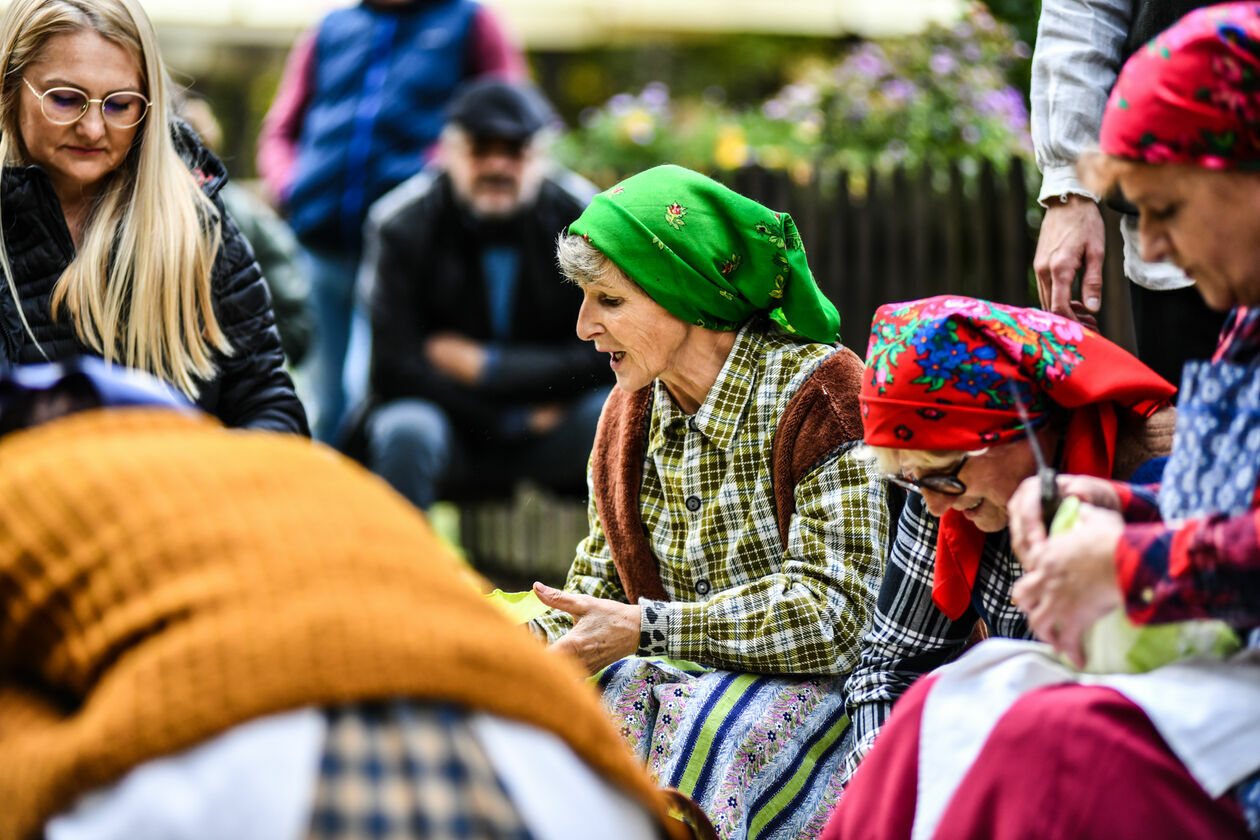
[811, 105]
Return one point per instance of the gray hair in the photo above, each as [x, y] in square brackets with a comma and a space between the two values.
[581, 262]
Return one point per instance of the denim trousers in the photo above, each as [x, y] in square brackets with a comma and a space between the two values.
[338, 364]
[413, 445]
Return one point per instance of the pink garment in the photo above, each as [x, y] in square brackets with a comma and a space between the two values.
[491, 52]
[1065, 762]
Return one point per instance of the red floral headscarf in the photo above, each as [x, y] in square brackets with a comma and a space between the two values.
[1192, 95]
[939, 376]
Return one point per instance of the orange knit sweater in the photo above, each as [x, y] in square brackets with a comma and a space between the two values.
[163, 579]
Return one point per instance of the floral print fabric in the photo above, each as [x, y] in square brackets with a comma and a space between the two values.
[1192, 95]
[760, 754]
[944, 373]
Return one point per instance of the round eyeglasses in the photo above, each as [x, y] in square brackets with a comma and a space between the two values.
[947, 484]
[67, 105]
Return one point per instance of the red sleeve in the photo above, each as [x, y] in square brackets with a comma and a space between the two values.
[492, 51]
[1200, 568]
[281, 128]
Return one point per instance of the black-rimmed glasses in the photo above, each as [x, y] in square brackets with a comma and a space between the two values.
[67, 105]
[947, 484]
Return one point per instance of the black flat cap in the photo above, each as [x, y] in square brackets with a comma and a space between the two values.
[500, 110]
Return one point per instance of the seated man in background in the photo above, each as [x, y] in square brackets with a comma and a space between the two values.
[207, 634]
[478, 380]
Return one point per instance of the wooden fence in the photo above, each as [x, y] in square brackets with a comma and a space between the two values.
[901, 237]
[898, 238]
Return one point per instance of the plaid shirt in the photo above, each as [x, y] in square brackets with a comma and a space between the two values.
[909, 635]
[1207, 567]
[399, 770]
[738, 598]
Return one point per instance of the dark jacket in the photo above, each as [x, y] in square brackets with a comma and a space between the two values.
[1151, 17]
[380, 81]
[427, 278]
[252, 388]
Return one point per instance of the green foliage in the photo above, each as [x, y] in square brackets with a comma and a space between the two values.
[941, 97]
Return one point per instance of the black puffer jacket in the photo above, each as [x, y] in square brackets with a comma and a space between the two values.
[252, 388]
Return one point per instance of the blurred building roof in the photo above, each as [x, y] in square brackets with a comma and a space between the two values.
[573, 24]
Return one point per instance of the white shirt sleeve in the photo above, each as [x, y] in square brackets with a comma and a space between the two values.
[1078, 56]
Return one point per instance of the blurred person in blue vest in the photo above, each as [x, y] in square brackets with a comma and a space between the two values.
[357, 111]
[477, 378]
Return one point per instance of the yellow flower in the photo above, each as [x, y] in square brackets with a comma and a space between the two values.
[731, 149]
[639, 126]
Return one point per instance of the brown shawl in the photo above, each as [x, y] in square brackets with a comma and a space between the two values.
[820, 418]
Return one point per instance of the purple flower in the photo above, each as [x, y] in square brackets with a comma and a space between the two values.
[774, 109]
[898, 91]
[655, 95]
[972, 52]
[943, 62]
[869, 60]
[971, 134]
[621, 104]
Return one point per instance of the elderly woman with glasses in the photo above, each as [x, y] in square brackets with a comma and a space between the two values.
[115, 242]
[956, 395]
[736, 535]
[1163, 741]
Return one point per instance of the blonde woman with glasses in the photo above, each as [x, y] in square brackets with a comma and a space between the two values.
[115, 243]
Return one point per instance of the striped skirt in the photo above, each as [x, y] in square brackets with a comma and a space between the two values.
[759, 754]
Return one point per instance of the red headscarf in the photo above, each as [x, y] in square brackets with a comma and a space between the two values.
[1192, 95]
[939, 376]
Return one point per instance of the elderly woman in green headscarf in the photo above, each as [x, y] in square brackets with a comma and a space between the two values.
[736, 535]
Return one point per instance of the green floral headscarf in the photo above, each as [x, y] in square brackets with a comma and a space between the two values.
[707, 254]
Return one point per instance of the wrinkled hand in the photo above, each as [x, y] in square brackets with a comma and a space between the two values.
[1072, 582]
[603, 630]
[457, 356]
[1072, 238]
[1023, 511]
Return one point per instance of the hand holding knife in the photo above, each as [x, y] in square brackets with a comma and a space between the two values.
[1046, 474]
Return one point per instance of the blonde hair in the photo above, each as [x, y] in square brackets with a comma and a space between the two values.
[139, 288]
[889, 458]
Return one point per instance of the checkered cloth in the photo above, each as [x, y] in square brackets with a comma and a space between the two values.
[909, 635]
[403, 770]
[738, 600]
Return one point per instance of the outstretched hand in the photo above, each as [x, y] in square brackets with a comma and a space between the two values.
[603, 630]
[1072, 239]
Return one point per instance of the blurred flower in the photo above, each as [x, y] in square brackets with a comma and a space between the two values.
[943, 62]
[639, 126]
[655, 96]
[774, 109]
[731, 149]
[940, 99]
[869, 60]
[899, 90]
[621, 104]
